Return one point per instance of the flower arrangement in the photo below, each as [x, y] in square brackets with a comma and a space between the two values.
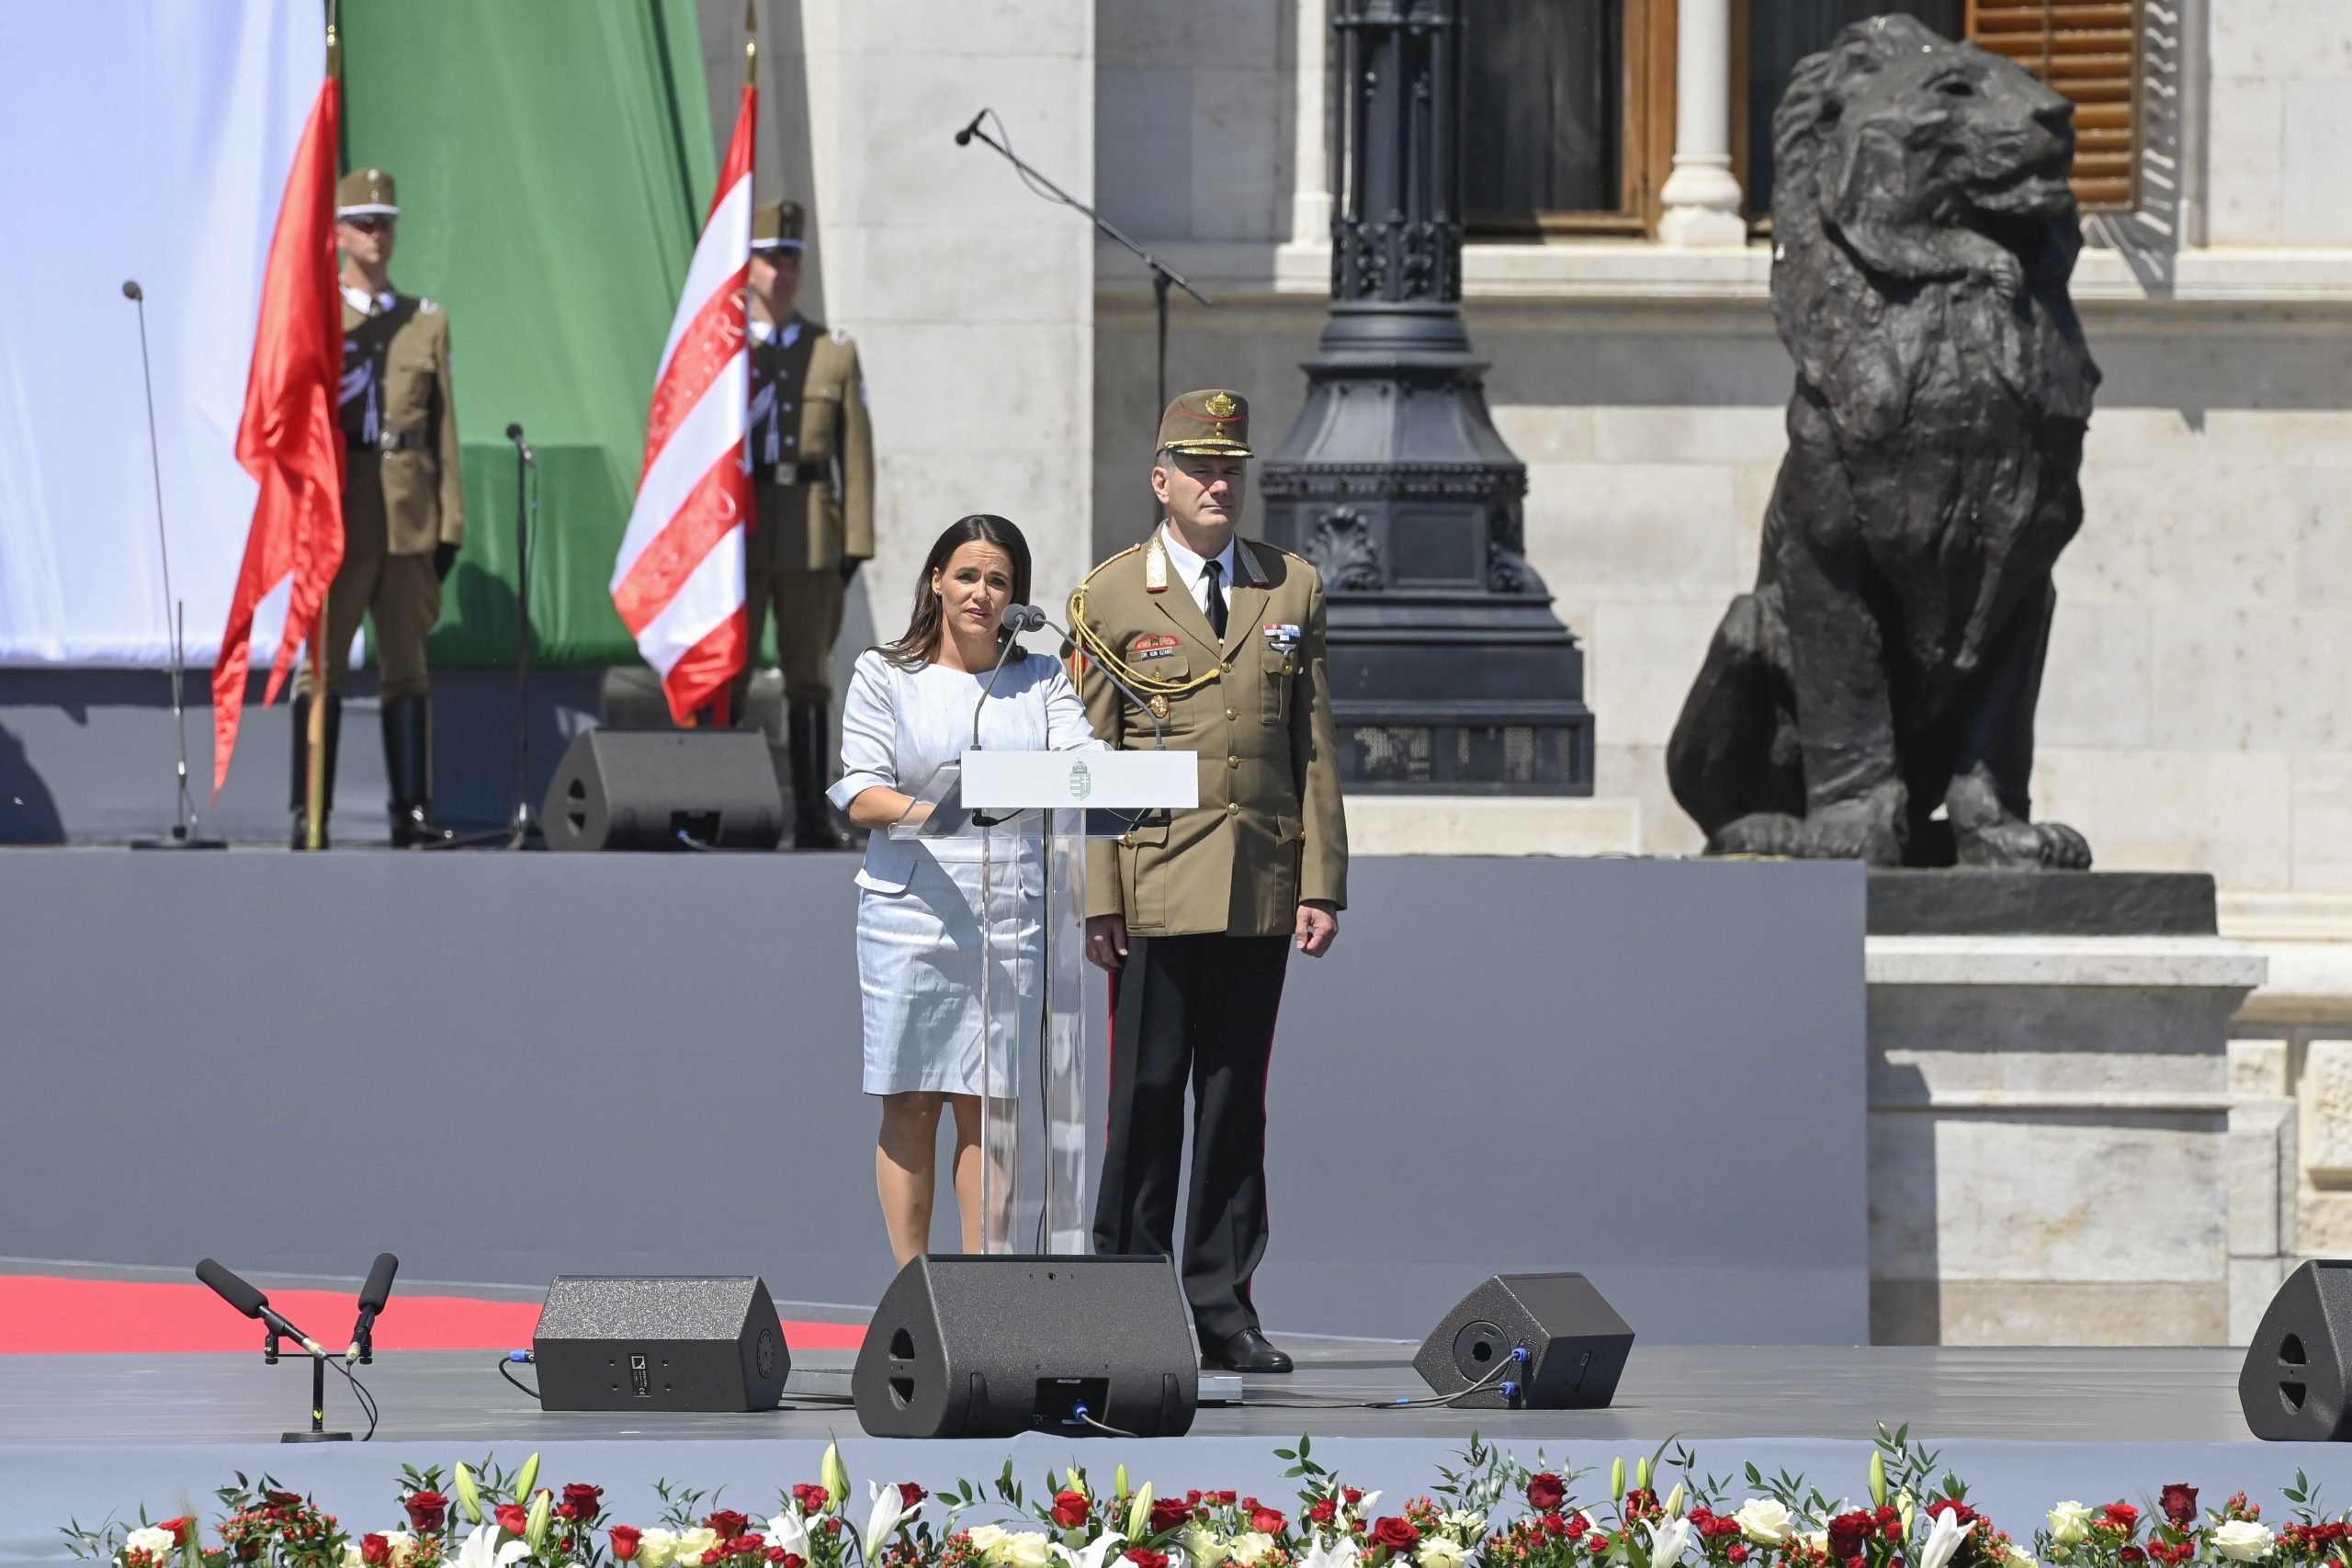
[1488, 1510]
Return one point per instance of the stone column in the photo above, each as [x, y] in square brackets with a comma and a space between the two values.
[1310, 201]
[1703, 196]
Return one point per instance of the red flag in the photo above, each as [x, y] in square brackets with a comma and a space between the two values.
[678, 582]
[288, 439]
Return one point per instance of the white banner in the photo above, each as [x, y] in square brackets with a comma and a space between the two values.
[147, 140]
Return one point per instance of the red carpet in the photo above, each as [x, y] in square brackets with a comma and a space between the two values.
[41, 1315]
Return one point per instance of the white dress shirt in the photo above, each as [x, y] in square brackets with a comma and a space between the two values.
[762, 331]
[368, 304]
[1188, 567]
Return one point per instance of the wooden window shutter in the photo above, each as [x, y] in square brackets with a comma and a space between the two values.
[2087, 49]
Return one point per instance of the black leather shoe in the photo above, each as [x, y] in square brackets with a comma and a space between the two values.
[1248, 1351]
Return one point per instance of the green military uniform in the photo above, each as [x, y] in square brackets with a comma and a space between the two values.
[1210, 895]
[812, 453]
[403, 514]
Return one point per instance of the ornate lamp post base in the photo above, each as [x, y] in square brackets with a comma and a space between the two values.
[1449, 672]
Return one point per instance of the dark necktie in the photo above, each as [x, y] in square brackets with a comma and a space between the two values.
[1214, 572]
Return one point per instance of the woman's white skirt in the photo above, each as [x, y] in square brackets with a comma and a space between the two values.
[919, 955]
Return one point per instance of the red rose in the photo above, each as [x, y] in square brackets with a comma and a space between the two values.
[2180, 1505]
[832, 1524]
[375, 1549]
[727, 1523]
[2132, 1554]
[1577, 1524]
[1961, 1512]
[910, 1493]
[717, 1554]
[513, 1517]
[1597, 1543]
[1267, 1521]
[581, 1502]
[284, 1499]
[1847, 1533]
[1144, 1557]
[1736, 1552]
[1396, 1534]
[792, 1559]
[776, 1554]
[1069, 1509]
[180, 1527]
[1546, 1492]
[1551, 1524]
[1322, 1511]
[1351, 1496]
[1167, 1513]
[1223, 1499]
[743, 1545]
[427, 1511]
[811, 1500]
[624, 1539]
[2123, 1515]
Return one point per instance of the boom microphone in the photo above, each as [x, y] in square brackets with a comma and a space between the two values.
[373, 1297]
[514, 434]
[1019, 618]
[964, 137]
[253, 1303]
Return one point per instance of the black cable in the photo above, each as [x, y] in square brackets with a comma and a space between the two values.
[510, 1377]
[1507, 1362]
[1047, 192]
[366, 1400]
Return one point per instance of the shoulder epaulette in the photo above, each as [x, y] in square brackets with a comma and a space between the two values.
[1113, 561]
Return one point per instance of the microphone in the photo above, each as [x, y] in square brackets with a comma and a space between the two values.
[253, 1303]
[1014, 618]
[514, 434]
[131, 290]
[964, 137]
[373, 1297]
[1159, 735]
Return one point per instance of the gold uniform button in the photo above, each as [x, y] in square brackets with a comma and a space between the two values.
[1129, 840]
[1233, 809]
[1231, 715]
[1233, 761]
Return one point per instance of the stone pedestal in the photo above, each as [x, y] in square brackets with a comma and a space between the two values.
[2055, 1154]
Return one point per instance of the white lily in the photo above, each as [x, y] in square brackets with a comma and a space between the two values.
[1330, 1552]
[1944, 1536]
[1092, 1554]
[481, 1549]
[1669, 1541]
[790, 1531]
[889, 1512]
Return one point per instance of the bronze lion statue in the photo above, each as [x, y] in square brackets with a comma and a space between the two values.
[1874, 696]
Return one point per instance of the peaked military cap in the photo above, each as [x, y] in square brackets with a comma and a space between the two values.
[775, 226]
[1210, 422]
[366, 193]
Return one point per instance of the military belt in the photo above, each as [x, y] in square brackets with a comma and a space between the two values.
[795, 474]
[390, 441]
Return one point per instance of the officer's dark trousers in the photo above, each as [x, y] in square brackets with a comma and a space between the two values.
[1196, 1010]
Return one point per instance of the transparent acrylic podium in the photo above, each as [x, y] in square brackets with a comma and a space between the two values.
[1017, 824]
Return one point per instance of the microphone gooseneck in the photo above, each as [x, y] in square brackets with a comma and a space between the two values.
[1012, 619]
[1158, 734]
[964, 137]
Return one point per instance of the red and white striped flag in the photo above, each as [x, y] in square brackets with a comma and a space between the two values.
[679, 582]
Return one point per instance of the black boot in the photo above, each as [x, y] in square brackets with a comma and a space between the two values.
[299, 796]
[812, 814]
[408, 762]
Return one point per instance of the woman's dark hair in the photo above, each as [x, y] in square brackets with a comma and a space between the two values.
[924, 629]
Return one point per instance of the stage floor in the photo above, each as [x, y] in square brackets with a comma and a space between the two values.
[449, 1396]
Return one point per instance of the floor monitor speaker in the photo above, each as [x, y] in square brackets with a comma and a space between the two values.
[988, 1347]
[661, 789]
[1575, 1341]
[660, 1344]
[2293, 1385]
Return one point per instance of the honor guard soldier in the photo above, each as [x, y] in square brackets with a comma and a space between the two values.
[403, 506]
[1194, 913]
[811, 454]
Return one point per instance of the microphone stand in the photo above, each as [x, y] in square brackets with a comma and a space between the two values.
[1162, 276]
[526, 475]
[184, 826]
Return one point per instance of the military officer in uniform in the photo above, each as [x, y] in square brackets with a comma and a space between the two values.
[1195, 913]
[811, 454]
[403, 505]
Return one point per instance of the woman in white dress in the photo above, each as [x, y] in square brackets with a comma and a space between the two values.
[909, 711]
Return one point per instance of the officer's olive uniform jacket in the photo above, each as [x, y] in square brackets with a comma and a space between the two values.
[420, 500]
[808, 527]
[1269, 832]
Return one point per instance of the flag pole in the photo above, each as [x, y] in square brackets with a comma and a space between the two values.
[751, 43]
[315, 779]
